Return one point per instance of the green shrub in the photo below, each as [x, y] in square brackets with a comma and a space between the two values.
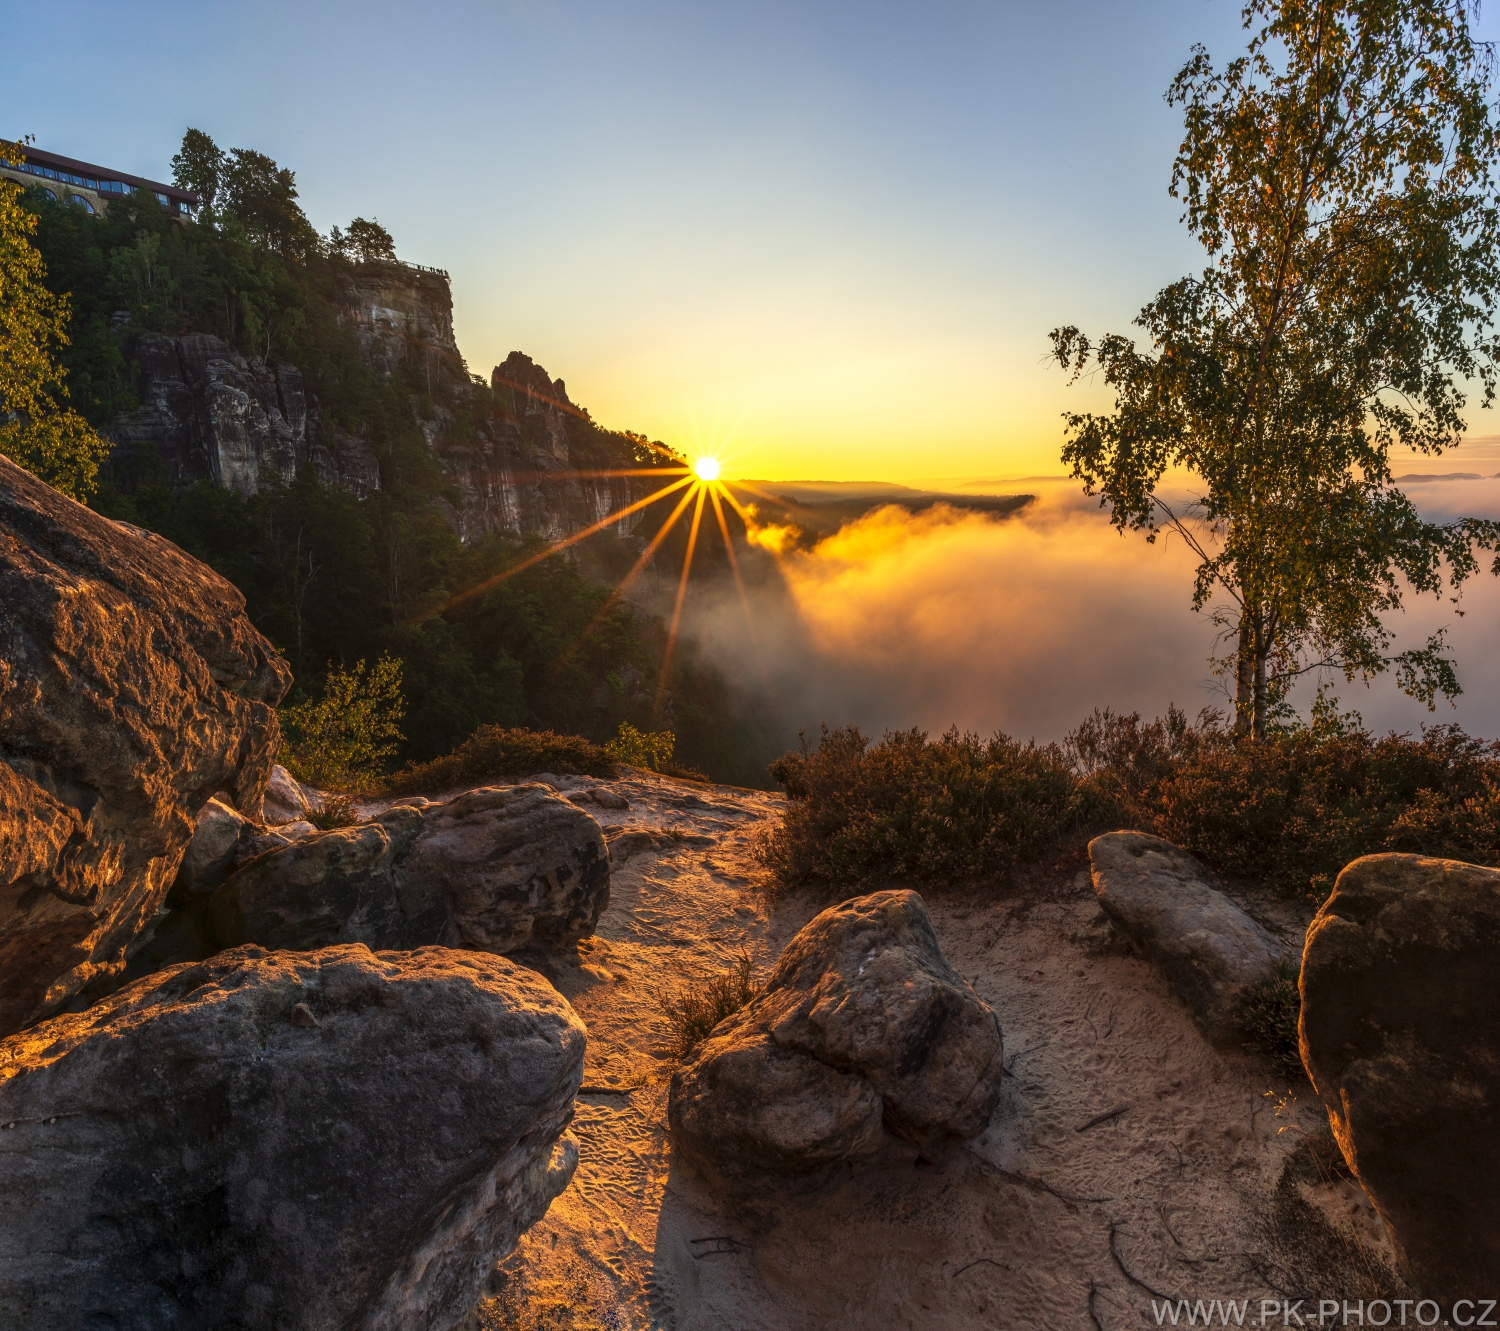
[642, 748]
[493, 751]
[1270, 1011]
[1293, 811]
[693, 1010]
[340, 740]
[955, 807]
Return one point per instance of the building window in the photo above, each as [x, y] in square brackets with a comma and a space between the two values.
[86, 205]
[49, 194]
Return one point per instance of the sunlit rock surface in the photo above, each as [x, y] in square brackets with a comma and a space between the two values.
[863, 1030]
[1210, 951]
[132, 688]
[520, 458]
[496, 868]
[290, 1141]
[1400, 1033]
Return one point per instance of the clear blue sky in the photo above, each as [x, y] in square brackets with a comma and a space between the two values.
[833, 236]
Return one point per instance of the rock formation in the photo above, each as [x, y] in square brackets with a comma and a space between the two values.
[283, 1141]
[132, 688]
[862, 1030]
[214, 415]
[494, 869]
[1400, 1033]
[1210, 951]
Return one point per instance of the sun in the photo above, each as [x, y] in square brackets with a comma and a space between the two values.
[706, 469]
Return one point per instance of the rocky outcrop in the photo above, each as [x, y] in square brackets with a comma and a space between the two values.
[283, 1141]
[1210, 951]
[401, 312]
[528, 467]
[214, 415]
[862, 1030]
[1400, 1033]
[495, 869]
[132, 688]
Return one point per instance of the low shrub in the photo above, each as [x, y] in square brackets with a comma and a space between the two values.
[341, 739]
[642, 748]
[955, 807]
[1270, 1011]
[1292, 812]
[694, 1009]
[493, 751]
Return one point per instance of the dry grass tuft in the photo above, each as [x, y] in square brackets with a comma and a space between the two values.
[694, 1009]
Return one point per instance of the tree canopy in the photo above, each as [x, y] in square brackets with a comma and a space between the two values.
[38, 430]
[1340, 176]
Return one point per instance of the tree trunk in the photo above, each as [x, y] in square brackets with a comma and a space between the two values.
[1258, 733]
[1244, 683]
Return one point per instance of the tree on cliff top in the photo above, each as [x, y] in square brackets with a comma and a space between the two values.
[365, 241]
[1340, 175]
[37, 429]
[249, 188]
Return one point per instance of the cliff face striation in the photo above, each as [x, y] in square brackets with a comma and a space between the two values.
[517, 459]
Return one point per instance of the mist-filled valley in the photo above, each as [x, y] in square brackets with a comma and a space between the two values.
[1024, 623]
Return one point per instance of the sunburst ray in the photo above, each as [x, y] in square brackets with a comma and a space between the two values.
[558, 546]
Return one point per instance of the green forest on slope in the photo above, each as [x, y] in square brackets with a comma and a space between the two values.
[313, 561]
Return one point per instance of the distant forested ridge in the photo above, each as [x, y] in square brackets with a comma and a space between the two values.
[293, 410]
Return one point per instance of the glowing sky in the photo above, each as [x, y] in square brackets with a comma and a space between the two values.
[832, 234]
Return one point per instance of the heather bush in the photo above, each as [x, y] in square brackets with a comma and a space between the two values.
[494, 751]
[1292, 812]
[914, 807]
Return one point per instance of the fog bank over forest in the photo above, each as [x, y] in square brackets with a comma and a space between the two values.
[1025, 624]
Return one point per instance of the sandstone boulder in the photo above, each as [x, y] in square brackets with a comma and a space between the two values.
[1400, 1033]
[495, 869]
[221, 835]
[287, 1141]
[287, 799]
[1210, 951]
[863, 1031]
[132, 688]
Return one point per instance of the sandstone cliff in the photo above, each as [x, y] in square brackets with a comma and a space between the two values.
[510, 457]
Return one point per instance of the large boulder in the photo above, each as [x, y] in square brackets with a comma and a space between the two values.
[496, 869]
[132, 688]
[863, 1032]
[1400, 1033]
[1210, 951]
[287, 1141]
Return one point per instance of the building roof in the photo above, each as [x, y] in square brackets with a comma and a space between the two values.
[77, 168]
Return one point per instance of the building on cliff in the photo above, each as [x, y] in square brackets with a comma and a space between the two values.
[521, 458]
[92, 187]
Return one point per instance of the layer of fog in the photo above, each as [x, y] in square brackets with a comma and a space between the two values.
[1025, 624]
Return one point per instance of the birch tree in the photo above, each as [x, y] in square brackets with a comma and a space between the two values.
[1340, 176]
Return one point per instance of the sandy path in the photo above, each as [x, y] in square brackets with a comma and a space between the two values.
[1017, 1231]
